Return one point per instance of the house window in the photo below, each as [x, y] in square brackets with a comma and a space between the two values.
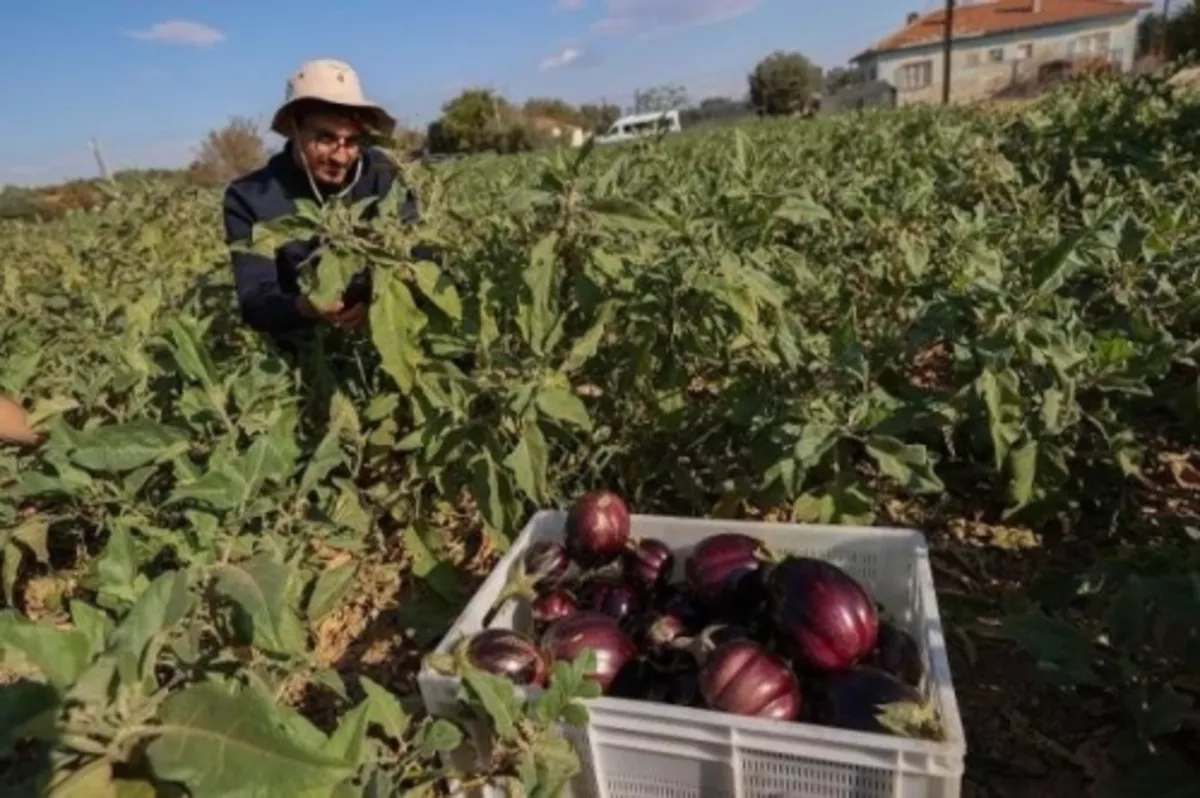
[996, 55]
[973, 59]
[1024, 52]
[917, 75]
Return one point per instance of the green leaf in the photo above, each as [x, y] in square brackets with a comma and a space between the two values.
[1064, 651]
[347, 741]
[394, 316]
[189, 351]
[385, 709]
[331, 587]
[1022, 473]
[587, 344]
[333, 274]
[438, 288]
[220, 488]
[439, 736]
[560, 404]
[1001, 397]
[60, 654]
[539, 280]
[910, 464]
[117, 448]
[802, 210]
[116, 568]
[161, 606]
[498, 698]
[261, 588]
[529, 462]
[627, 214]
[216, 743]
[93, 780]
[93, 622]
[27, 709]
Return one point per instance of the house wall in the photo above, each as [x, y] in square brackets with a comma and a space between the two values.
[974, 76]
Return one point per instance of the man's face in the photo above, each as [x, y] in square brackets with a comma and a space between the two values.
[331, 143]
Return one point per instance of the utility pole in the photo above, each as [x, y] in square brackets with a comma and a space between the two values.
[100, 160]
[947, 39]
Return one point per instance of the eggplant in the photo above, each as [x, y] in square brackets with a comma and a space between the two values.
[854, 699]
[898, 653]
[504, 652]
[648, 564]
[553, 605]
[745, 678]
[823, 617]
[568, 638]
[613, 597]
[597, 528]
[723, 571]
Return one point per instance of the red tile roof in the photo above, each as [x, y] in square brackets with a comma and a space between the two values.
[1001, 16]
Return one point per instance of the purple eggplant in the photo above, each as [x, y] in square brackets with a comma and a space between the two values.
[648, 563]
[824, 617]
[898, 653]
[854, 699]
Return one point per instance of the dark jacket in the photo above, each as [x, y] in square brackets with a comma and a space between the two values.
[267, 289]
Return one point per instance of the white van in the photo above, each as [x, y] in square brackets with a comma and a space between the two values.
[635, 125]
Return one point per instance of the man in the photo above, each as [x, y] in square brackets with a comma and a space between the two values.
[327, 123]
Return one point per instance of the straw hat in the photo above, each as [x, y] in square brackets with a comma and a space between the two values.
[333, 82]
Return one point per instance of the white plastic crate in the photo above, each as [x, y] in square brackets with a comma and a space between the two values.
[636, 749]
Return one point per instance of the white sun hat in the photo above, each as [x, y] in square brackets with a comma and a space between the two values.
[333, 82]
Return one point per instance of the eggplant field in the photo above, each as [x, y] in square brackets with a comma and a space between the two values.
[221, 563]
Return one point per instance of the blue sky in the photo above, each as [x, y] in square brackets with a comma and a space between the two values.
[148, 78]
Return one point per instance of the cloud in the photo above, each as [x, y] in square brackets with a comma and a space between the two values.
[567, 56]
[182, 32]
[569, 5]
[649, 18]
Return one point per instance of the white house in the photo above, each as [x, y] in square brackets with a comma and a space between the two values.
[997, 43]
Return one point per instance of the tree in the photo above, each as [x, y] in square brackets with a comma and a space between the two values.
[784, 83]
[554, 109]
[659, 98]
[840, 78]
[716, 109]
[1183, 32]
[472, 120]
[1179, 34]
[407, 139]
[479, 120]
[228, 153]
[599, 117]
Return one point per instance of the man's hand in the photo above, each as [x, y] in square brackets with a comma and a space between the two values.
[348, 318]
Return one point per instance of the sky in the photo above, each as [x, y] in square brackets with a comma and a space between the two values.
[148, 78]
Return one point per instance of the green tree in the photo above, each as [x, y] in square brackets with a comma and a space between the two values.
[1178, 35]
[667, 97]
[471, 122]
[228, 153]
[784, 83]
[599, 117]
[1183, 32]
[553, 108]
[479, 120]
[840, 78]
